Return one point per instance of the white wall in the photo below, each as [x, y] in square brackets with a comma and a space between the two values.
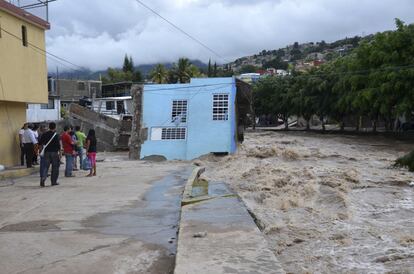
[35, 114]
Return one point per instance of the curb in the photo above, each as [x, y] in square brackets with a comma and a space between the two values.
[18, 173]
[188, 190]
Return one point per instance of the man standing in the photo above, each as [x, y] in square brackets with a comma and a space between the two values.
[29, 142]
[50, 142]
[21, 141]
[81, 137]
[67, 143]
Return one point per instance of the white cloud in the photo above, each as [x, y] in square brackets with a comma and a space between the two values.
[97, 34]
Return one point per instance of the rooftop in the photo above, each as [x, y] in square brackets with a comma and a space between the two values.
[24, 15]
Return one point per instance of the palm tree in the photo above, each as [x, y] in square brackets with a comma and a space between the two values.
[159, 74]
[182, 70]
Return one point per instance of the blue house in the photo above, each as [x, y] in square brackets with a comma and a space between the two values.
[185, 121]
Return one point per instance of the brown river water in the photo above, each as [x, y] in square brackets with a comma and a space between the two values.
[326, 203]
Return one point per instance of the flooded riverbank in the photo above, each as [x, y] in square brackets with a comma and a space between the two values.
[327, 204]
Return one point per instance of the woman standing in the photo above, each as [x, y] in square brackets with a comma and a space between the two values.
[90, 147]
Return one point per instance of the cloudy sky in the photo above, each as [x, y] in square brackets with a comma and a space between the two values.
[98, 33]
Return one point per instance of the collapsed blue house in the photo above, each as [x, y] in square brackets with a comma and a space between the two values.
[186, 121]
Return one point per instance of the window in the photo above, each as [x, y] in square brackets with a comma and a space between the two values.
[177, 133]
[110, 105]
[81, 85]
[49, 105]
[24, 36]
[220, 107]
[159, 134]
[179, 111]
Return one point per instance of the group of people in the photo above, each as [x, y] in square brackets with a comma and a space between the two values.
[49, 147]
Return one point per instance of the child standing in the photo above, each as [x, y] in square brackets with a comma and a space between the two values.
[90, 146]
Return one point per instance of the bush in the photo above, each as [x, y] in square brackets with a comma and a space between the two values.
[406, 161]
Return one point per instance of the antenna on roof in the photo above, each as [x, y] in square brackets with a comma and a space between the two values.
[31, 4]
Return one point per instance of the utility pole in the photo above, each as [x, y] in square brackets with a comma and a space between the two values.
[135, 141]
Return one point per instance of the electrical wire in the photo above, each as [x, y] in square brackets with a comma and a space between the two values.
[182, 31]
[44, 52]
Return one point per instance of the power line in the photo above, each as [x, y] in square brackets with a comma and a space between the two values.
[182, 31]
[44, 52]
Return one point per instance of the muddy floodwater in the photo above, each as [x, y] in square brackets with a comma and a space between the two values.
[326, 203]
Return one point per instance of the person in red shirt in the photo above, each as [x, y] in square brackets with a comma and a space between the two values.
[68, 146]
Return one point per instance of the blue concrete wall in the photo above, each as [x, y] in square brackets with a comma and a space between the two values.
[204, 135]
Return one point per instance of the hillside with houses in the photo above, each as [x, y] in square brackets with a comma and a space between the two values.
[296, 56]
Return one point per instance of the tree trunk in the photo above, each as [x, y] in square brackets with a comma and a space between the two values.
[358, 124]
[342, 126]
[308, 124]
[374, 125]
[286, 124]
[323, 126]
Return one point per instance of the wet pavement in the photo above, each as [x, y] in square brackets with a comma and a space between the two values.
[122, 221]
[219, 236]
[154, 220]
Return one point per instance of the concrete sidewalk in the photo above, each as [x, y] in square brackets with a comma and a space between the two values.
[220, 236]
[122, 221]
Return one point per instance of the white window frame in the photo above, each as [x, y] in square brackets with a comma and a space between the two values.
[221, 106]
[174, 134]
[179, 108]
[168, 134]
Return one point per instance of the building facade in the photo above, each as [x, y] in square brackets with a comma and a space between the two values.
[185, 121]
[23, 74]
[71, 91]
[38, 113]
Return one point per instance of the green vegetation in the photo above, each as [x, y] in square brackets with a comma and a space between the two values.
[128, 73]
[375, 81]
[406, 161]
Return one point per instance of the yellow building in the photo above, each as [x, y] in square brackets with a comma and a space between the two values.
[23, 74]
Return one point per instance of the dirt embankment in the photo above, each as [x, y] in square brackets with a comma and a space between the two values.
[327, 204]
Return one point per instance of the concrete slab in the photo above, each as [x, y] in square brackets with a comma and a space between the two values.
[17, 172]
[219, 236]
[122, 221]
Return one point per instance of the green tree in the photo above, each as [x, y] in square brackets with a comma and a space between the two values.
[272, 96]
[209, 69]
[182, 71]
[159, 74]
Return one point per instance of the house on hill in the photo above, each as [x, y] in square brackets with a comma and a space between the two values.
[23, 74]
[186, 121]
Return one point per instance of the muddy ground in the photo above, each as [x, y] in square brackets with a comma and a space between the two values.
[326, 203]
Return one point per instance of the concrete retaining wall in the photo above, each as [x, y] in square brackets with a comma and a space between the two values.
[112, 134]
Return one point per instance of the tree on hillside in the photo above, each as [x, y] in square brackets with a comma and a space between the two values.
[159, 74]
[128, 73]
[276, 63]
[248, 69]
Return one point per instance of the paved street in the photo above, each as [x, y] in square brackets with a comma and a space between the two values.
[122, 221]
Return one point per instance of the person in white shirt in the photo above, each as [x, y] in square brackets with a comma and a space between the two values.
[29, 142]
[21, 142]
[35, 151]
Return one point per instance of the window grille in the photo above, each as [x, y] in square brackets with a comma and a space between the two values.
[178, 133]
[179, 111]
[220, 107]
